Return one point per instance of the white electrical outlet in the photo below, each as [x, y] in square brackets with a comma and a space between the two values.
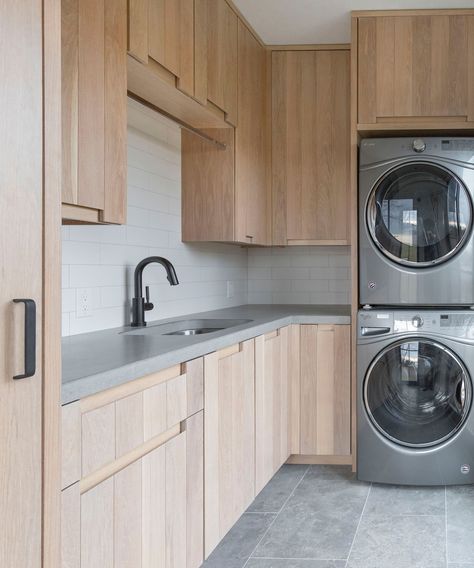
[83, 302]
[230, 289]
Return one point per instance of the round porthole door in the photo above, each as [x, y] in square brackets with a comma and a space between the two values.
[419, 214]
[417, 393]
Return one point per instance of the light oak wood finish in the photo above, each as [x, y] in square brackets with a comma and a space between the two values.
[21, 258]
[229, 439]
[138, 29]
[94, 107]
[98, 438]
[219, 25]
[325, 390]
[207, 175]
[310, 146]
[415, 66]
[319, 460]
[294, 388]
[195, 490]
[71, 527]
[51, 356]
[71, 444]
[271, 405]
[251, 142]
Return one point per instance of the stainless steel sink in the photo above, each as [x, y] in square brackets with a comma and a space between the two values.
[187, 327]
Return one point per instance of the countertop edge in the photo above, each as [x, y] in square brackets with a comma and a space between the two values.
[87, 386]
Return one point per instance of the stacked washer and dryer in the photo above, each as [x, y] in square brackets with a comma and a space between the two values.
[415, 327]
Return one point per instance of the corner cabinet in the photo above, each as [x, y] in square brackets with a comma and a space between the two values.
[225, 188]
[94, 113]
[415, 68]
[310, 147]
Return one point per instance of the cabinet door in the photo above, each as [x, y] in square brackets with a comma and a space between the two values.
[271, 405]
[216, 56]
[148, 515]
[229, 438]
[325, 403]
[310, 147]
[163, 31]
[413, 67]
[250, 141]
[21, 236]
[94, 91]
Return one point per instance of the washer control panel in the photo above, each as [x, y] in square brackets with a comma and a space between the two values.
[376, 322]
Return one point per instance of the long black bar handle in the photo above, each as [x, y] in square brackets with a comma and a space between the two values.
[30, 338]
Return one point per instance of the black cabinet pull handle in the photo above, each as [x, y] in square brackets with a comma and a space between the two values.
[30, 338]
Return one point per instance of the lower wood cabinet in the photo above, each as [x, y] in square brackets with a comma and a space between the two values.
[325, 387]
[229, 426]
[271, 405]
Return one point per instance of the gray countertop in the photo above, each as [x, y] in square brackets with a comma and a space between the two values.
[96, 361]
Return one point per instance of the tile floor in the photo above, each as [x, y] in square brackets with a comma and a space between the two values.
[322, 517]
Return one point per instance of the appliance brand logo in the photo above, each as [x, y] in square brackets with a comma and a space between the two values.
[372, 285]
[465, 468]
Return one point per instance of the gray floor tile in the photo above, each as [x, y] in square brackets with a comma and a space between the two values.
[399, 541]
[284, 563]
[451, 565]
[276, 492]
[460, 523]
[319, 521]
[403, 500]
[240, 541]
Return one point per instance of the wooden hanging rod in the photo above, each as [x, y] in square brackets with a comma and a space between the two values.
[180, 123]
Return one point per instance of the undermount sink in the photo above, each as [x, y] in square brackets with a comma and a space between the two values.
[187, 327]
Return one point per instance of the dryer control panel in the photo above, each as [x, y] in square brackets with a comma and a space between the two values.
[449, 323]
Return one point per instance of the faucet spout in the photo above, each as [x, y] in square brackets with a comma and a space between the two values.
[139, 306]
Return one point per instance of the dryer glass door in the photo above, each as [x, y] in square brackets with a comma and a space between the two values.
[417, 393]
[419, 214]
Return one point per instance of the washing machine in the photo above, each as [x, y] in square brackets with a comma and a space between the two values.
[415, 221]
[415, 425]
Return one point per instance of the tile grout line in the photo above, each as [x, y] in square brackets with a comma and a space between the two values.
[358, 525]
[276, 516]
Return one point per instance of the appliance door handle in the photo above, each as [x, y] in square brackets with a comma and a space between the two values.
[30, 338]
[371, 331]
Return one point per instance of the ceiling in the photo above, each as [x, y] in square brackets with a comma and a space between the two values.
[282, 22]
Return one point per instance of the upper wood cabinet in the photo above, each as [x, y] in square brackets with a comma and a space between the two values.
[94, 113]
[414, 68]
[162, 31]
[225, 190]
[216, 56]
[310, 147]
[251, 141]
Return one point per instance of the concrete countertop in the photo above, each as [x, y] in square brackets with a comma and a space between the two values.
[93, 362]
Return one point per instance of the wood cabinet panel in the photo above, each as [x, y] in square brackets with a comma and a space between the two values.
[71, 444]
[251, 141]
[325, 390]
[71, 527]
[98, 438]
[94, 93]
[414, 67]
[271, 405]
[310, 147]
[229, 439]
[171, 39]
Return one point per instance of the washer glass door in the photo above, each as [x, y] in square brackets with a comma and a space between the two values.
[417, 392]
[419, 214]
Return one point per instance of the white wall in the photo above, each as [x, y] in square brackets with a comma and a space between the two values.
[299, 275]
[99, 260]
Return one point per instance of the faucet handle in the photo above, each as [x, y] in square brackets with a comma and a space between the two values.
[148, 305]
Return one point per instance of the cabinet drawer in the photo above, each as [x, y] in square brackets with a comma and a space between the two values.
[104, 427]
